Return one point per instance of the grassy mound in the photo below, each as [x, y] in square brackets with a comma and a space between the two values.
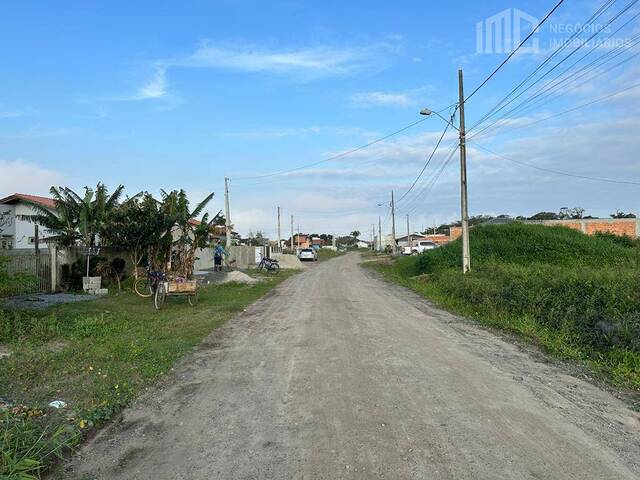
[577, 295]
[524, 244]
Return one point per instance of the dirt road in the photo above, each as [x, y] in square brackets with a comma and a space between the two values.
[338, 375]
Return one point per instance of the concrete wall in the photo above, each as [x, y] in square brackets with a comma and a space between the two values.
[590, 226]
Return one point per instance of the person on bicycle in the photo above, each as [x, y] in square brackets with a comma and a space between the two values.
[218, 253]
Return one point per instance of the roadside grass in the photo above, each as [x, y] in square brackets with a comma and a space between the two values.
[327, 254]
[576, 296]
[96, 356]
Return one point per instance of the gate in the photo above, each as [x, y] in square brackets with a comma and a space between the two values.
[33, 269]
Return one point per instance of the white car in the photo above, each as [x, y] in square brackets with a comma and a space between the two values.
[308, 254]
[419, 247]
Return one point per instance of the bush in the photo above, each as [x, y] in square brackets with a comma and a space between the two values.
[71, 277]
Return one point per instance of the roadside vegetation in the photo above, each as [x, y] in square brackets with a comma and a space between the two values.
[575, 295]
[96, 356]
[327, 254]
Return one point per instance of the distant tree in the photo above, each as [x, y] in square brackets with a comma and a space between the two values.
[574, 213]
[621, 214]
[544, 216]
[355, 234]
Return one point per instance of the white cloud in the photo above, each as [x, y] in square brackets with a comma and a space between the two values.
[18, 176]
[404, 98]
[309, 62]
[380, 99]
[157, 86]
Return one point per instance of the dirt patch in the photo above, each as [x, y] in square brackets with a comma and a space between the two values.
[4, 351]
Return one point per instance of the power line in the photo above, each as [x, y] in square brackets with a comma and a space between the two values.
[557, 172]
[338, 156]
[500, 105]
[504, 62]
[540, 91]
[549, 97]
[587, 104]
[435, 149]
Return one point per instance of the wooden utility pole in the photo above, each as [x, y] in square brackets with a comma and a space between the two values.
[466, 253]
[393, 222]
[227, 220]
[279, 235]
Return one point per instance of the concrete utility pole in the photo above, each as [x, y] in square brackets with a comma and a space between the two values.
[291, 233]
[227, 220]
[408, 231]
[298, 236]
[279, 236]
[373, 236]
[393, 222]
[466, 253]
[380, 234]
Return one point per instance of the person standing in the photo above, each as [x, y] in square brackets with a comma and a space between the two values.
[218, 253]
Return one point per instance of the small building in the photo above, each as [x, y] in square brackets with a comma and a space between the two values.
[16, 232]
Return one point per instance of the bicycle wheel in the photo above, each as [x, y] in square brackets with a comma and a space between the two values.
[160, 296]
[193, 299]
[274, 269]
[142, 287]
[259, 269]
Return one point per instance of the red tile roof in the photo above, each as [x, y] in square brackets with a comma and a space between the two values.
[16, 197]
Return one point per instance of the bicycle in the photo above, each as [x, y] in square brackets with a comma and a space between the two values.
[268, 264]
[147, 285]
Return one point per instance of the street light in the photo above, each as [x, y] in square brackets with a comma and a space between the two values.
[428, 112]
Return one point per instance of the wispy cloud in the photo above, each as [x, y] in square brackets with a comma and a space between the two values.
[301, 64]
[156, 87]
[307, 62]
[400, 99]
[21, 176]
[276, 133]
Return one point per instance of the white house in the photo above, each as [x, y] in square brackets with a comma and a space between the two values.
[15, 232]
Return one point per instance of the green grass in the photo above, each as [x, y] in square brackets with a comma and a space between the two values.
[96, 356]
[327, 254]
[576, 296]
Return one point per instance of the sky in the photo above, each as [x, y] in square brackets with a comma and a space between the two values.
[166, 95]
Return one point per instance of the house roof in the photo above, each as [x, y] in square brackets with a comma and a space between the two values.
[17, 197]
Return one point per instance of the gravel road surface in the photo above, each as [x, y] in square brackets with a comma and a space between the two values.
[336, 374]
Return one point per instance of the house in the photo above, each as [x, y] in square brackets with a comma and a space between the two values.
[14, 231]
[362, 244]
[305, 241]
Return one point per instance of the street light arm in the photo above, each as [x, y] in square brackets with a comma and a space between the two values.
[427, 112]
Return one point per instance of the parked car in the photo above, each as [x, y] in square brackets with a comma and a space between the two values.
[308, 254]
[419, 247]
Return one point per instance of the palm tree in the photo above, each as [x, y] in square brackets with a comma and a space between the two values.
[182, 233]
[76, 218]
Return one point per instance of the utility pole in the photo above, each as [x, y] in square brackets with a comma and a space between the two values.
[279, 235]
[291, 233]
[298, 235]
[393, 222]
[373, 237]
[466, 253]
[380, 234]
[227, 221]
[408, 231]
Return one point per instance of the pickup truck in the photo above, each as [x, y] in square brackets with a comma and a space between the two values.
[419, 247]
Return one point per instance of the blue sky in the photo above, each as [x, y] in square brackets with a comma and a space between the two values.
[178, 95]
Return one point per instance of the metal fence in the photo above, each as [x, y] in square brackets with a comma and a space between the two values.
[31, 268]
